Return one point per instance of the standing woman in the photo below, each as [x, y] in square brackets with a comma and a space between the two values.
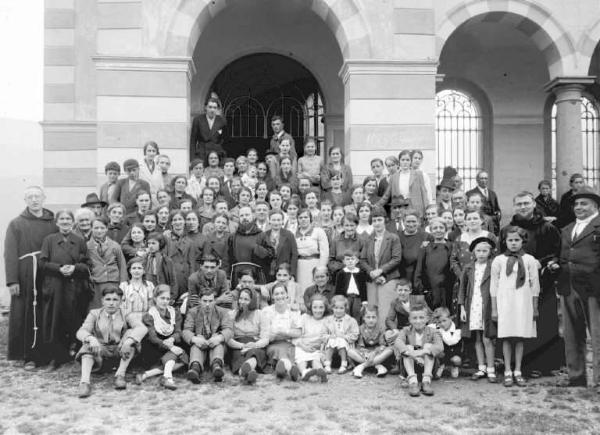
[287, 175]
[407, 183]
[207, 211]
[192, 228]
[380, 258]
[357, 196]
[417, 159]
[149, 172]
[313, 249]
[250, 337]
[83, 223]
[179, 185]
[262, 191]
[292, 215]
[179, 250]
[65, 290]
[217, 242]
[411, 239]
[364, 227]
[117, 227]
[263, 174]
[309, 165]
[162, 218]
[214, 166]
[336, 163]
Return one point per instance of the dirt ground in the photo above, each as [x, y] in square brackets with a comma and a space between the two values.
[38, 402]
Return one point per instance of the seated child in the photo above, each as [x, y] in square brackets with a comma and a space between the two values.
[451, 338]
[342, 333]
[108, 333]
[206, 329]
[371, 350]
[137, 292]
[309, 346]
[210, 276]
[397, 317]
[419, 345]
[351, 282]
[159, 347]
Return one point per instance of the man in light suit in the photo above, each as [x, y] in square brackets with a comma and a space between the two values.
[208, 132]
[490, 205]
[579, 286]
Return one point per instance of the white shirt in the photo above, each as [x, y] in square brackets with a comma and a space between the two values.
[404, 184]
[483, 191]
[580, 225]
[210, 121]
[352, 287]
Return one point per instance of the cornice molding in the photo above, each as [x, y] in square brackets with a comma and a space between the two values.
[387, 67]
[68, 125]
[569, 81]
[139, 63]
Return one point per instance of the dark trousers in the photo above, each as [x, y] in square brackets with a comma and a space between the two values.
[354, 307]
[581, 315]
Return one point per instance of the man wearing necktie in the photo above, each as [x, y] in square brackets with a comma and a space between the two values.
[579, 286]
[206, 329]
[490, 204]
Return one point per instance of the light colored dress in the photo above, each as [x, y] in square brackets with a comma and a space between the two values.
[309, 345]
[476, 311]
[313, 250]
[515, 305]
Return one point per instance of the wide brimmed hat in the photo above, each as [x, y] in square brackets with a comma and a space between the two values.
[93, 199]
[447, 183]
[399, 201]
[479, 240]
[586, 192]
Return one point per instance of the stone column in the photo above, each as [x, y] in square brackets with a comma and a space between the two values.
[389, 106]
[569, 152]
[141, 99]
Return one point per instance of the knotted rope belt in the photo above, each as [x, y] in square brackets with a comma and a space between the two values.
[35, 267]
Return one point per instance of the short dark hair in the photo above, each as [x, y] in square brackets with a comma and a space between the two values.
[158, 237]
[213, 100]
[112, 289]
[276, 118]
[206, 291]
[208, 258]
[152, 144]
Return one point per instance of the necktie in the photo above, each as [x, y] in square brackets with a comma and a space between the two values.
[206, 322]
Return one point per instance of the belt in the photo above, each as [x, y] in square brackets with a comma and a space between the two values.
[308, 257]
[35, 266]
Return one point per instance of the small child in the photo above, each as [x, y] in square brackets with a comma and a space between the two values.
[514, 288]
[419, 345]
[112, 171]
[476, 307]
[351, 282]
[371, 350]
[397, 317]
[250, 180]
[342, 333]
[160, 345]
[136, 296]
[309, 347]
[108, 265]
[451, 339]
[433, 276]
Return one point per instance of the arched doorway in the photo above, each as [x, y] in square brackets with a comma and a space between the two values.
[254, 88]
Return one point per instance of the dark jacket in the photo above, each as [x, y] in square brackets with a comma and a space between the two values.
[547, 206]
[286, 251]
[490, 205]
[117, 232]
[181, 252]
[204, 139]
[328, 292]
[248, 245]
[337, 248]
[390, 255]
[580, 261]
[275, 141]
[433, 273]
[566, 215]
[220, 321]
[397, 317]
[125, 196]
[465, 296]
[342, 281]
[543, 238]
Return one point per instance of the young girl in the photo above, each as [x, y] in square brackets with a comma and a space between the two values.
[159, 347]
[108, 265]
[370, 190]
[309, 346]
[337, 226]
[135, 244]
[336, 195]
[476, 307]
[451, 338]
[364, 220]
[514, 289]
[371, 350]
[285, 152]
[325, 221]
[342, 333]
[137, 292]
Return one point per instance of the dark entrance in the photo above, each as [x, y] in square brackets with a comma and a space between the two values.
[254, 88]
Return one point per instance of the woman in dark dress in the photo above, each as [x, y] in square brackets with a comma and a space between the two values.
[179, 250]
[546, 352]
[411, 239]
[65, 289]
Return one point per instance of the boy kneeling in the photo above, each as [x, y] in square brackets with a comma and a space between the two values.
[207, 327]
[108, 333]
[418, 345]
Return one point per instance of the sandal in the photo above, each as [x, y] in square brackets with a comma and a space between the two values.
[508, 381]
[478, 375]
[520, 381]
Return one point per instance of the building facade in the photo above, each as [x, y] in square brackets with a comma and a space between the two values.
[497, 84]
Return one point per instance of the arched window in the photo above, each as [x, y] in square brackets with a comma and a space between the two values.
[314, 127]
[590, 132]
[458, 135]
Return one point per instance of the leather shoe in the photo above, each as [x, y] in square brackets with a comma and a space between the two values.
[120, 383]
[252, 377]
[294, 373]
[426, 388]
[218, 373]
[85, 390]
[168, 383]
[413, 389]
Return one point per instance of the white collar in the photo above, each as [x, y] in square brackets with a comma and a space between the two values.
[586, 220]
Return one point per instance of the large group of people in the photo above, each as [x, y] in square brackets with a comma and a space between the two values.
[286, 265]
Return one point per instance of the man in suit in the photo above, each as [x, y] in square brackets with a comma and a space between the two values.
[565, 209]
[208, 132]
[210, 276]
[395, 224]
[279, 134]
[380, 258]
[126, 189]
[579, 286]
[490, 205]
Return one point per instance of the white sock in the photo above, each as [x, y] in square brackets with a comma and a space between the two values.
[482, 368]
[168, 373]
[517, 373]
[287, 364]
